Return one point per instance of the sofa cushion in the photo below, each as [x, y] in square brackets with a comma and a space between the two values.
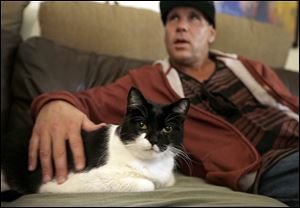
[187, 192]
[10, 40]
[12, 14]
[45, 66]
[113, 30]
[253, 39]
[138, 33]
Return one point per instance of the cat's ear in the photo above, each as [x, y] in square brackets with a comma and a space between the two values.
[181, 106]
[135, 98]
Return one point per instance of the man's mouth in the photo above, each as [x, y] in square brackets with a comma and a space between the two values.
[181, 41]
[181, 44]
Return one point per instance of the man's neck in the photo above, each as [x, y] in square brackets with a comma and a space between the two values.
[200, 70]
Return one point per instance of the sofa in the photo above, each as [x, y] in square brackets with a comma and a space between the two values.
[86, 44]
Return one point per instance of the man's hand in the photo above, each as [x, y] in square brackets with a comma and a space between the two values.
[56, 122]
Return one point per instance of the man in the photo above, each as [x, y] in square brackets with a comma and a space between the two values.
[242, 124]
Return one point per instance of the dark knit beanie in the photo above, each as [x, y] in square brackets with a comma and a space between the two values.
[206, 7]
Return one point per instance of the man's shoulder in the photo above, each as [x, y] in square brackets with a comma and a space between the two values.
[233, 56]
[235, 59]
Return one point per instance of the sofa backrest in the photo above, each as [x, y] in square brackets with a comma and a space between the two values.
[43, 66]
[258, 41]
[139, 33]
[105, 29]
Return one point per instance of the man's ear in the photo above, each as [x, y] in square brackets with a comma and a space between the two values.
[213, 35]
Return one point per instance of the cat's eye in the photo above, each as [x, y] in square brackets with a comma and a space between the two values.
[142, 125]
[167, 129]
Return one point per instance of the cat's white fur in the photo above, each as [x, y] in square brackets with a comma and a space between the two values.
[135, 168]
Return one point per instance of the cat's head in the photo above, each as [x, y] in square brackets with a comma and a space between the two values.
[150, 130]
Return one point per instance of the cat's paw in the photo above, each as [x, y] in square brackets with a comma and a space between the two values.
[171, 181]
[138, 184]
[143, 185]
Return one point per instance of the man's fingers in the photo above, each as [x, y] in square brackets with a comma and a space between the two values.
[99, 126]
[45, 157]
[56, 122]
[77, 149]
[88, 125]
[33, 151]
[60, 158]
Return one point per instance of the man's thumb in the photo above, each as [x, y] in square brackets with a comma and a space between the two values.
[88, 125]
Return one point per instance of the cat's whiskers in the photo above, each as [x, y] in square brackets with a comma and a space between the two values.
[182, 155]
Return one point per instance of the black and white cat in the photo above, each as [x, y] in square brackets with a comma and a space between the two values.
[138, 155]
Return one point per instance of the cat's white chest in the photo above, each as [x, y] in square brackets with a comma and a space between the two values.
[159, 172]
[157, 167]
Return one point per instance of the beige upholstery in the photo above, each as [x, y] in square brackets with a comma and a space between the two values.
[138, 33]
[187, 192]
[112, 30]
[12, 14]
[258, 41]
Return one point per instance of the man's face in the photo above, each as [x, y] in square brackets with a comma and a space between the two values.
[188, 35]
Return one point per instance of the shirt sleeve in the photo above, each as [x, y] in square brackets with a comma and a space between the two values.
[100, 104]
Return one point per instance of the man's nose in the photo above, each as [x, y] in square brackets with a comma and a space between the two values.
[182, 25]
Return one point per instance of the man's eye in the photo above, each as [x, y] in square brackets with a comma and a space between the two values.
[195, 17]
[142, 125]
[172, 17]
[167, 129]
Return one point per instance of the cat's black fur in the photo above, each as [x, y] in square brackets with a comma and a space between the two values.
[158, 119]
